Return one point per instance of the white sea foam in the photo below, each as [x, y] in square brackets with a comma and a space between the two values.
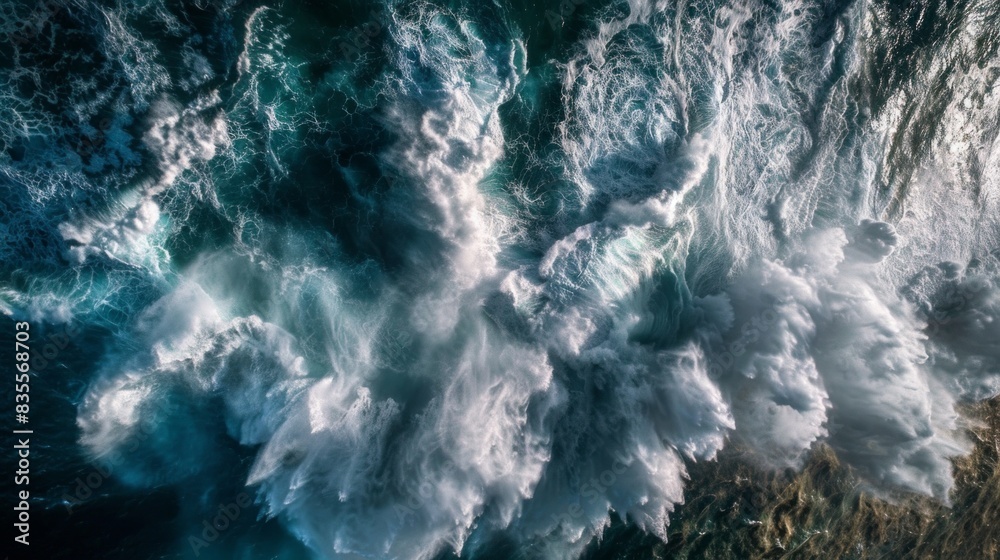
[178, 137]
[710, 278]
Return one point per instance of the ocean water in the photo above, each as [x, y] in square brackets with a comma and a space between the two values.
[430, 279]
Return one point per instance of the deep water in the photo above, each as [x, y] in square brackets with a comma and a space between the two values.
[428, 279]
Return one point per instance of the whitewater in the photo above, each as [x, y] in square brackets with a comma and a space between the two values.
[427, 278]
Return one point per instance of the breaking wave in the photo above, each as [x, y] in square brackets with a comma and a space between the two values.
[450, 293]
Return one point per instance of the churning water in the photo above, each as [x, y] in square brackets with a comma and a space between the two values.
[426, 278]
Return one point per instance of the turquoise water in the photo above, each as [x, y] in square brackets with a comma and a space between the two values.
[420, 279]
